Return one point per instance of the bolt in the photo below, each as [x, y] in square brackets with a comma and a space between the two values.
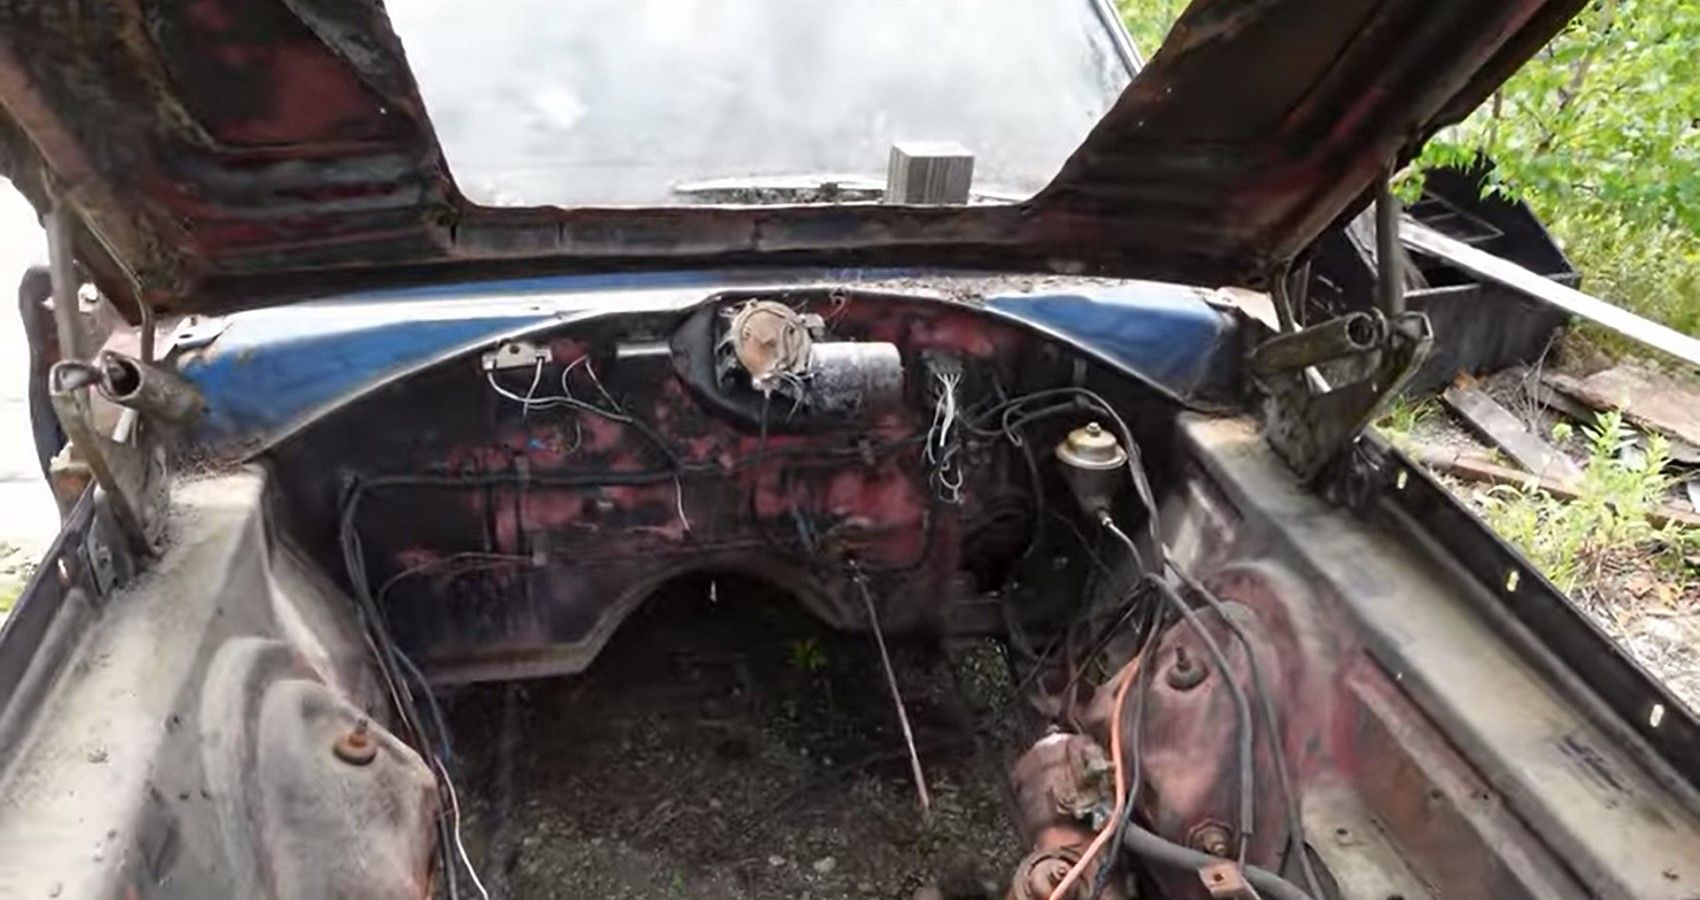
[1212, 838]
[356, 746]
[1185, 674]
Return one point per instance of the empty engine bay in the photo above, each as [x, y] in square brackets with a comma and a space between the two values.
[1188, 708]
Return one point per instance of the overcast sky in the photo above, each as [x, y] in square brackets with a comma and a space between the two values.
[27, 514]
[21, 240]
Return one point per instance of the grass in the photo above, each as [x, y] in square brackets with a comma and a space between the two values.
[1402, 419]
[1572, 541]
[15, 571]
[1652, 270]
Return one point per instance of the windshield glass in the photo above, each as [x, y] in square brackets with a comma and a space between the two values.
[660, 102]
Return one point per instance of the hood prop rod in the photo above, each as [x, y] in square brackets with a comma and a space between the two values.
[1389, 255]
[129, 463]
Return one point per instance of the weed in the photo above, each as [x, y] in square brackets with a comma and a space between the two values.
[807, 655]
[1399, 424]
[1569, 539]
[15, 571]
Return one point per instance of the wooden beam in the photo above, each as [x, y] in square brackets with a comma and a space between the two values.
[1649, 400]
[1503, 430]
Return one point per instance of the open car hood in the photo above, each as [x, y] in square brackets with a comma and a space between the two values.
[233, 153]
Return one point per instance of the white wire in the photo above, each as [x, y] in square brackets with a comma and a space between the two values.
[525, 401]
[536, 378]
[679, 501]
[566, 398]
[941, 438]
[454, 821]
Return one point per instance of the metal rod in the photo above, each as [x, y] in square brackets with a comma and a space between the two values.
[896, 696]
[160, 393]
[1352, 333]
[1390, 280]
[63, 273]
[148, 326]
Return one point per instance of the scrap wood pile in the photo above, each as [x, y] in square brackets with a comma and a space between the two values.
[1648, 401]
[1597, 479]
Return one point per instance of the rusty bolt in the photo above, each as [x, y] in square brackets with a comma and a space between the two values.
[356, 746]
[1185, 674]
[1213, 838]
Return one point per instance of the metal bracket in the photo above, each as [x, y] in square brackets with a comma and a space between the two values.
[513, 355]
[129, 465]
[1312, 418]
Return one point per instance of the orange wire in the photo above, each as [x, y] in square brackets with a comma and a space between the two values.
[1079, 868]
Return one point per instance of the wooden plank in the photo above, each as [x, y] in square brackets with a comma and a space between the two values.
[1564, 404]
[1471, 467]
[1420, 237]
[1649, 400]
[1503, 430]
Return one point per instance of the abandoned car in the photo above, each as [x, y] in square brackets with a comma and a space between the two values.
[777, 449]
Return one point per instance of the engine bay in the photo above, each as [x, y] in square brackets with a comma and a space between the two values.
[818, 592]
[914, 471]
[1201, 712]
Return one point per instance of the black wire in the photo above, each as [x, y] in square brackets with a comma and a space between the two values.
[755, 485]
[620, 416]
[1157, 849]
[1135, 461]
[1273, 735]
[385, 651]
[1242, 706]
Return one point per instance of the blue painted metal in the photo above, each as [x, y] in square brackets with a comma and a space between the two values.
[272, 370]
[1167, 333]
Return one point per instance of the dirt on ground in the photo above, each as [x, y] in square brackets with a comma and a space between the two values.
[725, 745]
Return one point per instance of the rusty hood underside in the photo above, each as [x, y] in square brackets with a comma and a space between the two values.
[220, 154]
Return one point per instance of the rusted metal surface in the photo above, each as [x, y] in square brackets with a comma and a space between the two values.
[1345, 335]
[1225, 881]
[238, 152]
[588, 514]
[1059, 783]
[187, 750]
[1382, 652]
[158, 393]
